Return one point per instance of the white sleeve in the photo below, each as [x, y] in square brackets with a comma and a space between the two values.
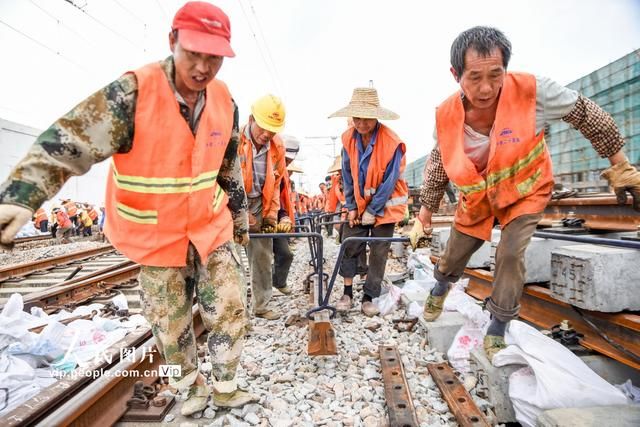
[553, 101]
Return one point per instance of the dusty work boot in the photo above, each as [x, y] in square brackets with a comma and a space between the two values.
[370, 309]
[433, 307]
[285, 291]
[492, 345]
[235, 399]
[344, 304]
[197, 398]
[268, 314]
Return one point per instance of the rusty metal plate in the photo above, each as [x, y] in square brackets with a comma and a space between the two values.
[402, 413]
[150, 414]
[457, 397]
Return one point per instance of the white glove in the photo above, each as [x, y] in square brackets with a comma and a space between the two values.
[368, 218]
[12, 218]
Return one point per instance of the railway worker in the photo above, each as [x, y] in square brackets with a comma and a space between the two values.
[174, 198]
[282, 255]
[85, 222]
[92, 212]
[490, 144]
[41, 220]
[373, 161]
[64, 225]
[72, 210]
[261, 153]
[335, 197]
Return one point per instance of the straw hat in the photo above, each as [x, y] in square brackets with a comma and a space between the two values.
[294, 168]
[365, 105]
[336, 166]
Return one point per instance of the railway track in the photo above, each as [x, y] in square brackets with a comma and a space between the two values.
[35, 280]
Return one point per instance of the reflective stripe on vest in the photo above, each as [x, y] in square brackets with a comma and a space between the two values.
[140, 184]
[369, 191]
[396, 201]
[134, 215]
[496, 177]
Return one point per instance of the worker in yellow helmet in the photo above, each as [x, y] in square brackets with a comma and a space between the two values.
[261, 153]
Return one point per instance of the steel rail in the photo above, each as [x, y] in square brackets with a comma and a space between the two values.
[104, 401]
[599, 211]
[81, 290]
[33, 410]
[30, 267]
[539, 307]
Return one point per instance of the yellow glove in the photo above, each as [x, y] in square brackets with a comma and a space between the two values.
[284, 226]
[417, 233]
[624, 177]
[268, 225]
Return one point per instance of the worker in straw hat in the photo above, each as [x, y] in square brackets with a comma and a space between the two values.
[373, 160]
[282, 255]
[262, 154]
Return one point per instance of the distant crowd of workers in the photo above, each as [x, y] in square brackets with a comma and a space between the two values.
[186, 181]
[68, 219]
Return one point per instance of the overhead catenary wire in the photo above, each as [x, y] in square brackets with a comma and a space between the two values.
[49, 48]
[93, 18]
[266, 45]
[264, 59]
[60, 22]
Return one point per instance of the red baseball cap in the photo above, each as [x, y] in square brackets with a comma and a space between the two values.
[203, 27]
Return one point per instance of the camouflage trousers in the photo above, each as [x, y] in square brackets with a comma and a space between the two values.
[167, 298]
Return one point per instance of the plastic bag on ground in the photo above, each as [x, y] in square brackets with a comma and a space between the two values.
[556, 377]
[470, 336]
[388, 302]
[420, 258]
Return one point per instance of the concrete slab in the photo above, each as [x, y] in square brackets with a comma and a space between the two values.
[440, 334]
[597, 416]
[537, 258]
[595, 277]
[480, 259]
[493, 385]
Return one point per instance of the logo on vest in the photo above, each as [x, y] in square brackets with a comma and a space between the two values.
[506, 136]
[215, 139]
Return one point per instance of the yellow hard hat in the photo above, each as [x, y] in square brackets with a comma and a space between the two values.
[269, 113]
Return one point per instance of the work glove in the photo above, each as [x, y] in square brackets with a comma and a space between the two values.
[268, 225]
[418, 233]
[284, 226]
[368, 218]
[12, 218]
[353, 218]
[624, 177]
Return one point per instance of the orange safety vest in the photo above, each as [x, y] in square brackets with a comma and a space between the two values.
[164, 194]
[63, 219]
[71, 208]
[93, 214]
[334, 195]
[41, 215]
[285, 196]
[275, 170]
[519, 177]
[383, 151]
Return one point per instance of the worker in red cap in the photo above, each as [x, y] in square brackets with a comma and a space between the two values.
[175, 197]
